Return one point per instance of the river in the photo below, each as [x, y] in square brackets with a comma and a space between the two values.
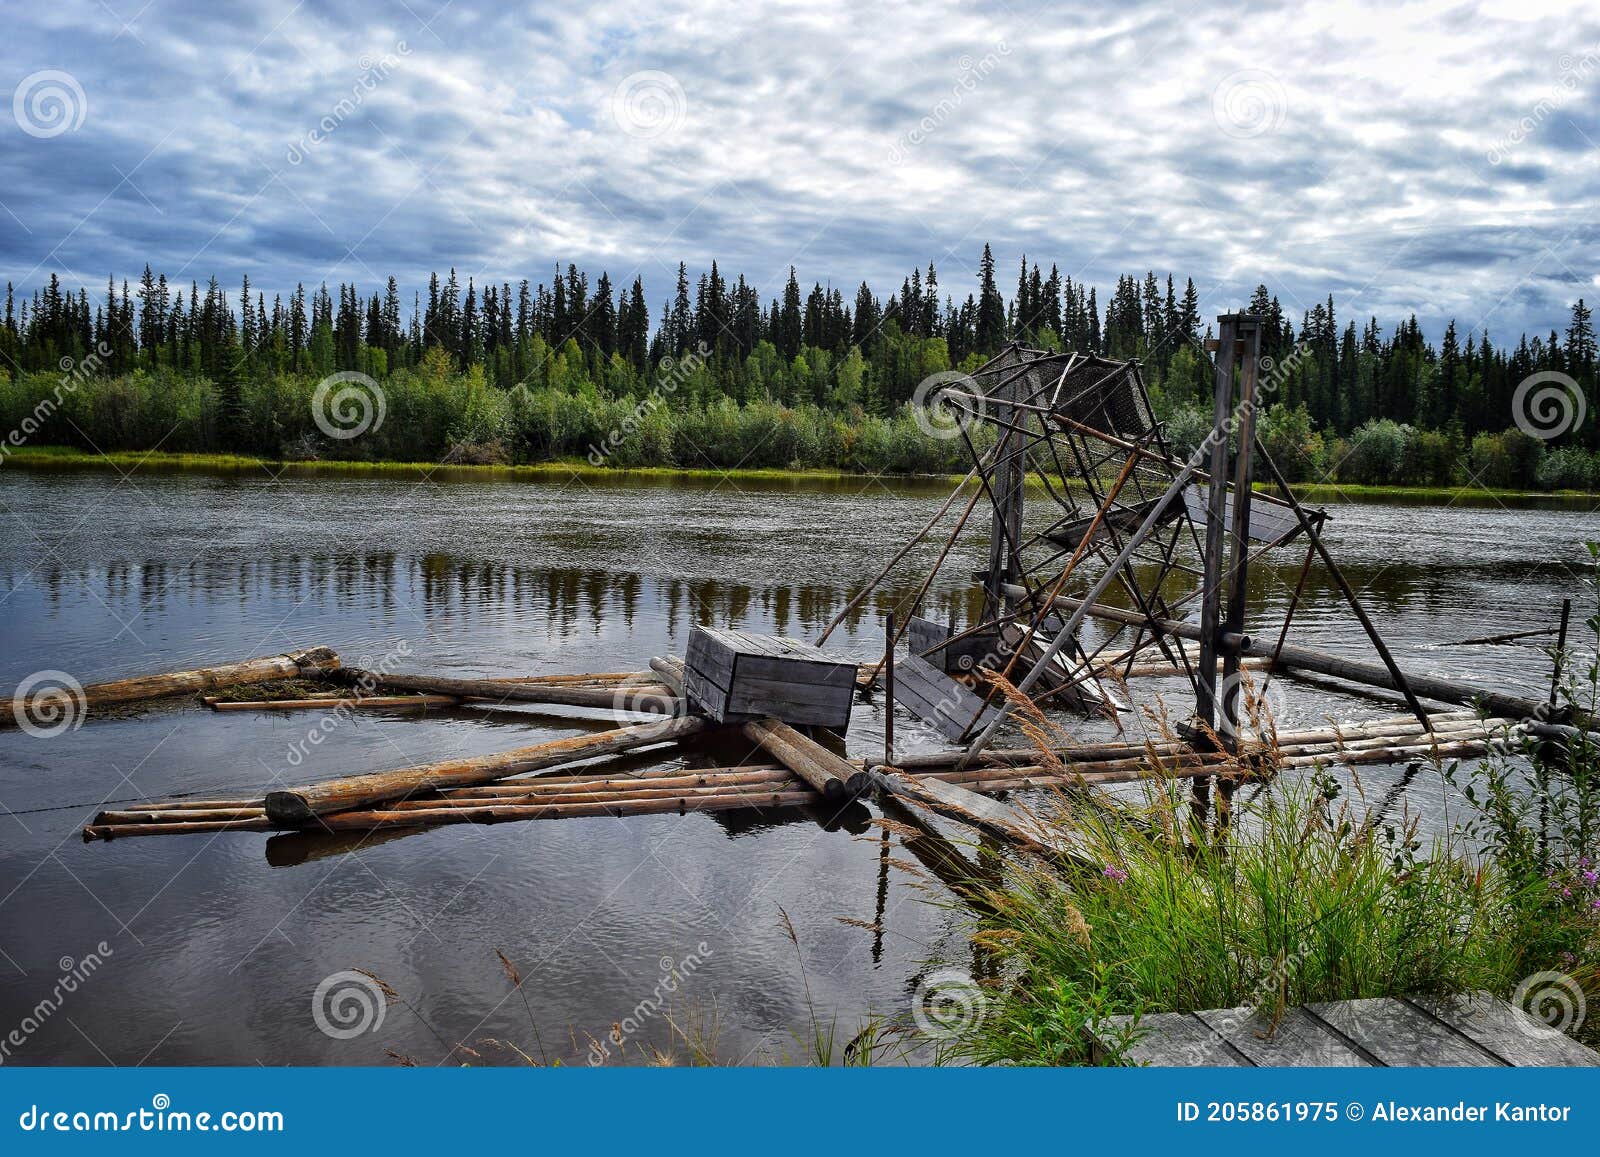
[213, 947]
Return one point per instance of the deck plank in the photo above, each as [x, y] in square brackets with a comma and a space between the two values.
[1515, 1036]
[1297, 1039]
[1172, 1040]
[1400, 1034]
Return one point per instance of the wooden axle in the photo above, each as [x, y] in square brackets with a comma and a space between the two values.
[1292, 657]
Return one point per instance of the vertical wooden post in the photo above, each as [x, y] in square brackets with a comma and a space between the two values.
[1009, 483]
[1249, 330]
[1216, 506]
[1561, 650]
[888, 689]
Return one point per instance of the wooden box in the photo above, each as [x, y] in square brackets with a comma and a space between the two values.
[735, 676]
[978, 649]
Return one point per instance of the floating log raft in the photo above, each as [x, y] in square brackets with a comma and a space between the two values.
[144, 688]
[301, 805]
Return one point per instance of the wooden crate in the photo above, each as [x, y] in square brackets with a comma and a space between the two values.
[979, 649]
[735, 676]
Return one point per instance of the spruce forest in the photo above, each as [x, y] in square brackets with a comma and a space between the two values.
[503, 373]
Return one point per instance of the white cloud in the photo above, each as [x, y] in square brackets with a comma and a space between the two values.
[1375, 150]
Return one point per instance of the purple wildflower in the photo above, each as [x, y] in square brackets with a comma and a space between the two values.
[1591, 877]
[1112, 872]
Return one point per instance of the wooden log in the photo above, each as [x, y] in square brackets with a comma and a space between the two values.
[620, 698]
[977, 811]
[144, 688]
[670, 670]
[333, 703]
[295, 806]
[382, 819]
[575, 781]
[833, 776]
[1369, 674]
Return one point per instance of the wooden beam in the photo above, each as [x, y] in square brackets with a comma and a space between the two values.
[299, 805]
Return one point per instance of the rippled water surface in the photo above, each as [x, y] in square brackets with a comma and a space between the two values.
[218, 943]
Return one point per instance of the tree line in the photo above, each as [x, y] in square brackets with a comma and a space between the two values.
[812, 353]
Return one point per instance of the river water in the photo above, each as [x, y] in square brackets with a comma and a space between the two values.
[211, 949]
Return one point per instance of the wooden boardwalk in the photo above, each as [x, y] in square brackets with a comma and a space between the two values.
[1415, 1031]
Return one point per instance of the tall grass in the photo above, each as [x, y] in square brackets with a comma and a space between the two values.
[1301, 902]
[1306, 896]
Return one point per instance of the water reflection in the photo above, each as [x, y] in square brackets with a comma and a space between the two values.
[218, 951]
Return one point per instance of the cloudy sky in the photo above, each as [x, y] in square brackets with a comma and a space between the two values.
[1431, 157]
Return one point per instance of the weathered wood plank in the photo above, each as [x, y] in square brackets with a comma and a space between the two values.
[1400, 1034]
[1297, 1039]
[980, 812]
[937, 699]
[1170, 1040]
[1511, 1034]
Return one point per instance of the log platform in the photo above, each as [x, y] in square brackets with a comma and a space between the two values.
[1412, 1031]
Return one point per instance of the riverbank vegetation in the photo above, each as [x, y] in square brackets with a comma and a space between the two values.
[717, 378]
[1310, 895]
